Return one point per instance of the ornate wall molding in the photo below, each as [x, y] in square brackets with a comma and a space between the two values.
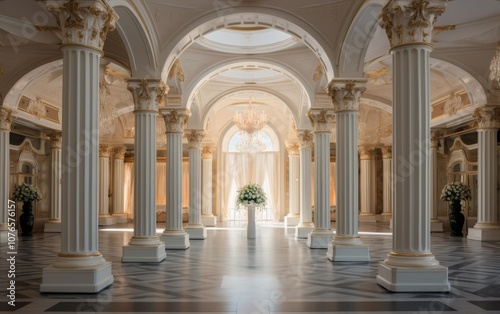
[194, 138]
[322, 119]
[147, 93]
[488, 117]
[5, 119]
[306, 138]
[345, 94]
[175, 119]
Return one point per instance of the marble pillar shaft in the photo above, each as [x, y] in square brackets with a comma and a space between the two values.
[294, 185]
[367, 184]
[206, 188]
[322, 180]
[55, 184]
[174, 186]
[194, 186]
[118, 189]
[305, 186]
[104, 185]
[387, 186]
[487, 177]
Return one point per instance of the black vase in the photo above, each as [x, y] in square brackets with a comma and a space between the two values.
[457, 219]
[27, 220]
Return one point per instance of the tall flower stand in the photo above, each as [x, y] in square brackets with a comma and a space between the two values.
[27, 220]
[251, 232]
[457, 219]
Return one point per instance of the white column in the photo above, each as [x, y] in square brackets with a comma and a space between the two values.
[435, 191]
[487, 227]
[305, 225]
[366, 185]
[387, 184]
[105, 218]
[322, 120]
[5, 126]
[411, 266]
[293, 217]
[174, 236]
[118, 189]
[346, 245]
[195, 229]
[145, 246]
[54, 223]
[80, 268]
[207, 217]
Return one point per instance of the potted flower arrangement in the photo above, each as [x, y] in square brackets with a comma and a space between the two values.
[455, 192]
[27, 194]
[251, 195]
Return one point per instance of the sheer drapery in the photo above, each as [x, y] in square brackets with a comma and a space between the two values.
[267, 176]
[128, 181]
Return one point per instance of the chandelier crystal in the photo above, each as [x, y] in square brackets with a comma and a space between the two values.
[250, 142]
[37, 108]
[250, 120]
[495, 66]
[107, 111]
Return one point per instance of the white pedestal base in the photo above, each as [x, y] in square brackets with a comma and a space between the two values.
[367, 218]
[146, 254]
[480, 234]
[302, 232]
[291, 221]
[120, 218]
[196, 232]
[89, 279]
[406, 279]
[175, 241]
[436, 226]
[106, 220]
[348, 253]
[52, 226]
[384, 217]
[319, 239]
[209, 221]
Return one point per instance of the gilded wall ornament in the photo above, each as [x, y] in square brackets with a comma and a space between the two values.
[345, 94]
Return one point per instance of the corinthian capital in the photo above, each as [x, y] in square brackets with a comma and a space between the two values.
[207, 151]
[345, 94]
[147, 93]
[83, 22]
[410, 21]
[365, 153]
[386, 152]
[175, 119]
[293, 149]
[104, 151]
[488, 117]
[194, 138]
[322, 119]
[55, 138]
[5, 118]
[119, 152]
[305, 138]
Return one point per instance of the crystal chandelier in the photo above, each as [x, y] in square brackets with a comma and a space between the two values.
[37, 108]
[107, 111]
[495, 66]
[250, 142]
[250, 120]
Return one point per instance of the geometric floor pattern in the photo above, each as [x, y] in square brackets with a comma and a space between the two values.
[275, 273]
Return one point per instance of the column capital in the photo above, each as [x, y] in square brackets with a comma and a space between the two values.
[119, 152]
[345, 94]
[305, 138]
[435, 135]
[322, 119]
[410, 21]
[293, 149]
[365, 153]
[386, 152]
[207, 151]
[147, 93]
[5, 119]
[194, 138]
[175, 119]
[104, 150]
[55, 138]
[83, 23]
[488, 117]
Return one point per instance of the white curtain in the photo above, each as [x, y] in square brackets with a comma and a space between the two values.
[235, 175]
[128, 182]
[161, 183]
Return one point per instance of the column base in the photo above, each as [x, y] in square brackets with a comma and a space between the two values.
[90, 279]
[319, 238]
[384, 217]
[120, 218]
[145, 254]
[209, 221]
[175, 240]
[348, 249]
[291, 221]
[303, 229]
[484, 234]
[106, 220]
[436, 226]
[4, 233]
[367, 218]
[413, 279]
[52, 226]
[196, 232]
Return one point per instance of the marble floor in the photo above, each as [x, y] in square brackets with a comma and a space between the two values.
[275, 273]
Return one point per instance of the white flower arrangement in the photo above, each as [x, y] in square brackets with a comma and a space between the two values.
[251, 193]
[26, 193]
[455, 191]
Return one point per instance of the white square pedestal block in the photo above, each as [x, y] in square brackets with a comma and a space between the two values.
[209, 221]
[406, 279]
[76, 280]
[367, 218]
[348, 253]
[292, 221]
[302, 232]
[176, 241]
[120, 218]
[52, 227]
[196, 233]
[146, 254]
[484, 234]
[319, 240]
[106, 220]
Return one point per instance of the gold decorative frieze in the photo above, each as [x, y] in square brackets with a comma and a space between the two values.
[345, 94]
[175, 119]
[147, 93]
